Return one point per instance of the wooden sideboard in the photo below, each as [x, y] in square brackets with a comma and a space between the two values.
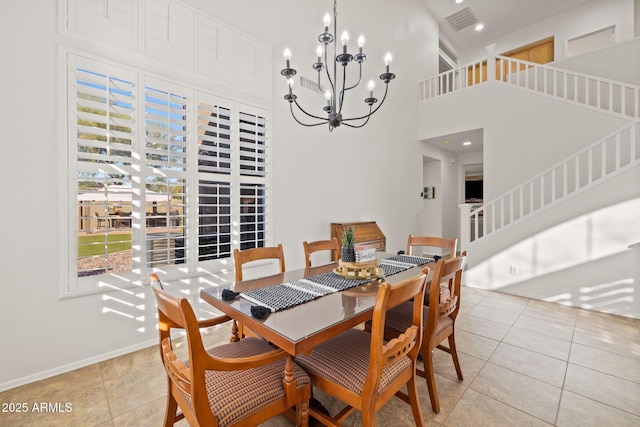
[367, 233]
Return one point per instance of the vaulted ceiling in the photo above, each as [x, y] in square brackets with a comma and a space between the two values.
[500, 17]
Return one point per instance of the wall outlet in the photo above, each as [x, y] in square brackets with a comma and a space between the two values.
[513, 270]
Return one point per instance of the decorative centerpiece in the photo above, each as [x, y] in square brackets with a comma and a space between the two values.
[348, 245]
[357, 264]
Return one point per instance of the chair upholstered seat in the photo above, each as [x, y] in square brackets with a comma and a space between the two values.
[399, 318]
[344, 360]
[233, 395]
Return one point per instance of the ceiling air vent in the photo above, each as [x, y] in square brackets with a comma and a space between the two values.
[461, 19]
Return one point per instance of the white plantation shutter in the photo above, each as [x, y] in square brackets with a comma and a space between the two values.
[214, 181]
[214, 139]
[114, 21]
[163, 177]
[167, 113]
[168, 31]
[214, 220]
[253, 153]
[252, 156]
[101, 128]
[216, 45]
[253, 216]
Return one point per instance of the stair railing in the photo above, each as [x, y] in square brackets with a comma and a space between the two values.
[452, 80]
[601, 160]
[614, 97]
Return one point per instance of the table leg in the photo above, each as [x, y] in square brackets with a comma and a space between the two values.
[234, 332]
[289, 382]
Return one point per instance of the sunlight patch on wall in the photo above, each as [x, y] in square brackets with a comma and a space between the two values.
[556, 264]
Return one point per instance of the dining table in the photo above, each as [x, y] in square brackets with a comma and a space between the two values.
[298, 329]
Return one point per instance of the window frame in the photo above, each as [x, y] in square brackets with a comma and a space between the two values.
[71, 285]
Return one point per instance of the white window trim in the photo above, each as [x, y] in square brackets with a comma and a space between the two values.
[69, 286]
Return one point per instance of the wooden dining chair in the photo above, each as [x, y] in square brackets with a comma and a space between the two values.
[321, 245]
[240, 258]
[254, 254]
[364, 371]
[236, 384]
[448, 245]
[439, 318]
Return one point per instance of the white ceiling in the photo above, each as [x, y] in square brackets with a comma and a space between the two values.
[500, 17]
[454, 142]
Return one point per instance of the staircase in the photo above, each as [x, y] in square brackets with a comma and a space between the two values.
[600, 161]
[603, 159]
[565, 234]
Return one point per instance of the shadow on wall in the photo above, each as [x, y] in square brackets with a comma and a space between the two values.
[585, 262]
[138, 304]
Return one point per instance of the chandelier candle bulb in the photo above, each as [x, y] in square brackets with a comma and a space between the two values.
[345, 41]
[287, 57]
[327, 22]
[371, 85]
[360, 43]
[387, 60]
[319, 53]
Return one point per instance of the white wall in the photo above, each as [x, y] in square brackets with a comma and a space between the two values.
[588, 18]
[370, 174]
[576, 253]
[602, 63]
[432, 208]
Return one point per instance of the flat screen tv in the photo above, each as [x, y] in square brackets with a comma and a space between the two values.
[473, 191]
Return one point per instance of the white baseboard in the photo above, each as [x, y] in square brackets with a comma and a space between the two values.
[76, 365]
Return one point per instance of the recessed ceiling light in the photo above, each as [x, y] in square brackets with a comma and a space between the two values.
[447, 141]
[459, 1]
[466, 143]
[479, 27]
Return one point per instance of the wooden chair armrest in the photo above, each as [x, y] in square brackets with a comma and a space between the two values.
[448, 306]
[175, 367]
[400, 346]
[243, 363]
[206, 323]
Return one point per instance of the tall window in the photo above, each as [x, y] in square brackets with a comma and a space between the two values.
[163, 176]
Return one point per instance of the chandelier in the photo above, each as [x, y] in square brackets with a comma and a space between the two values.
[335, 92]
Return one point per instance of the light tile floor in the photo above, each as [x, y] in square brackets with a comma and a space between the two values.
[525, 362]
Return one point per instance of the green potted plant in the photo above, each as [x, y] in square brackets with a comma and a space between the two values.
[348, 243]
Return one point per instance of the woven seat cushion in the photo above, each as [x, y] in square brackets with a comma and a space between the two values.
[344, 360]
[399, 318]
[234, 395]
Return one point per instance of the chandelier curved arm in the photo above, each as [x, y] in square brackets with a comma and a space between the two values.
[303, 110]
[344, 78]
[327, 70]
[368, 116]
[359, 79]
[322, 89]
[370, 112]
[301, 123]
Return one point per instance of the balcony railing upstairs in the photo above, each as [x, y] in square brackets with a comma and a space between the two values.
[602, 160]
[452, 80]
[612, 97]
